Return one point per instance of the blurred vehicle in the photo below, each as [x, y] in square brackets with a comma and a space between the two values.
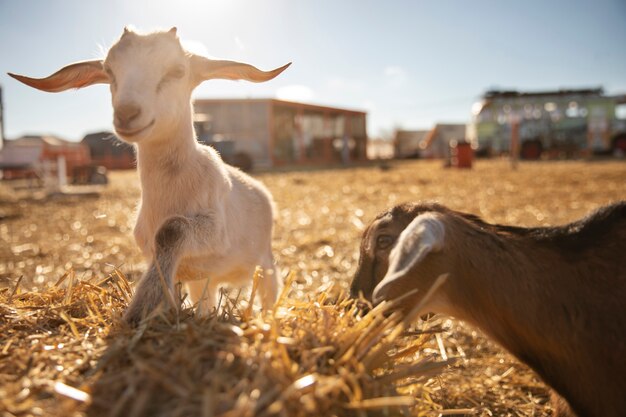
[559, 123]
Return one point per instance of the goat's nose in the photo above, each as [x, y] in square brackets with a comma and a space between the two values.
[126, 113]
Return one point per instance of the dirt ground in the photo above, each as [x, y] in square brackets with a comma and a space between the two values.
[321, 215]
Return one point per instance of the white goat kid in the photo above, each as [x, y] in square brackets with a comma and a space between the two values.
[199, 218]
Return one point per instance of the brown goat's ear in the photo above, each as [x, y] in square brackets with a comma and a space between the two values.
[206, 69]
[424, 235]
[77, 75]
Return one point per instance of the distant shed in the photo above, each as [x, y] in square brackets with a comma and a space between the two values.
[407, 143]
[437, 142]
[280, 133]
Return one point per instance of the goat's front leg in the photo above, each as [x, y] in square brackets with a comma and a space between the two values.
[153, 288]
[178, 237]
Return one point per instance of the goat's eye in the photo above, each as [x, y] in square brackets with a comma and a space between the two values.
[175, 72]
[384, 241]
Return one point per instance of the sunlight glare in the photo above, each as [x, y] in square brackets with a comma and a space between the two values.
[295, 92]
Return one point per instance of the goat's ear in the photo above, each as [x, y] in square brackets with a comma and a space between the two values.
[77, 75]
[206, 69]
[424, 235]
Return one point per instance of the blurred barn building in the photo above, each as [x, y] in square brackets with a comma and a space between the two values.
[407, 143]
[437, 142]
[273, 133]
[434, 143]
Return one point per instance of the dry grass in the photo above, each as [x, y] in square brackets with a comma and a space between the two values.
[296, 362]
[67, 353]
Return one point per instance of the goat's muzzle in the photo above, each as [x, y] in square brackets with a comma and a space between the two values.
[125, 115]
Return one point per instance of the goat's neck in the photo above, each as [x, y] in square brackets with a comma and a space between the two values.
[166, 156]
[509, 288]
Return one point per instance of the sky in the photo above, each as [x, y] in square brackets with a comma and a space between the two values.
[409, 64]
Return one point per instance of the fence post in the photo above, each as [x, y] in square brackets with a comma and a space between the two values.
[515, 148]
[62, 171]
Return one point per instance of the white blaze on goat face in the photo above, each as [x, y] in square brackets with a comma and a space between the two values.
[424, 235]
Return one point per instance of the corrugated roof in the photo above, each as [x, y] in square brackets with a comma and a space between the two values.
[201, 101]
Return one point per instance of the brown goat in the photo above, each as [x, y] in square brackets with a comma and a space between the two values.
[555, 297]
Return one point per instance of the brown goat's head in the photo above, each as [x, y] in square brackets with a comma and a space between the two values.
[401, 251]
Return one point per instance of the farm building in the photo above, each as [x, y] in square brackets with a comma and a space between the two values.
[274, 133]
[407, 143]
[436, 144]
[107, 150]
[433, 143]
[26, 156]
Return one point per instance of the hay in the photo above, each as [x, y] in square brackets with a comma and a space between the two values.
[65, 352]
[60, 343]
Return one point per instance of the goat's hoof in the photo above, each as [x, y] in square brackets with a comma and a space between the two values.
[135, 313]
[132, 317]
